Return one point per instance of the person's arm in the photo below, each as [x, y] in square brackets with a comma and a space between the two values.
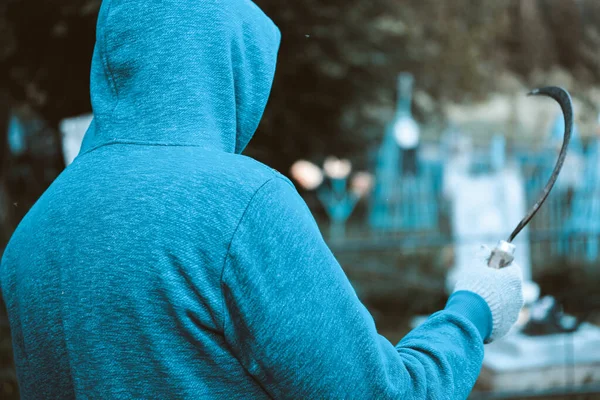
[295, 323]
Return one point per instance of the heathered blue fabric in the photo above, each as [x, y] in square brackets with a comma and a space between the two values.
[162, 264]
[473, 307]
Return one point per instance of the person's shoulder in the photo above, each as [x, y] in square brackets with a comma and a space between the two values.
[255, 174]
[274, 197]
[269, 202]
[242, 183]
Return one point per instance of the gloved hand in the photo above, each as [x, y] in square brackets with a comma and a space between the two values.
[502, 289]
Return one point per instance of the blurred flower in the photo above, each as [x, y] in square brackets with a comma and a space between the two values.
[336, 168]
[361, 184]
[307, 174]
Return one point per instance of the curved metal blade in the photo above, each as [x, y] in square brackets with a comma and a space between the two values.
[564, 100]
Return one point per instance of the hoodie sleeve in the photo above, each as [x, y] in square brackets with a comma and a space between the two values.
[295, 323]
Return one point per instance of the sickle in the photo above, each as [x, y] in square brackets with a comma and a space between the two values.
[564, 100]
[502, 255]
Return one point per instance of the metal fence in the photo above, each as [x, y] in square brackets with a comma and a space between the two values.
[415, 209]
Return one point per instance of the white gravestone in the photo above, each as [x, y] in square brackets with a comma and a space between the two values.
[485, 209]
[73, 130]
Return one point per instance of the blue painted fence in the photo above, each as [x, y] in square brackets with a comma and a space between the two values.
[570, 217]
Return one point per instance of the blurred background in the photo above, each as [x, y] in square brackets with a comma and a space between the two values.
[406, 127]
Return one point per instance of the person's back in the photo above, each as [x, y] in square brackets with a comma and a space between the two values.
[164, 264]
[118, 270]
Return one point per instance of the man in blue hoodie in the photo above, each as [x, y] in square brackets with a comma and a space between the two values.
[163, 264]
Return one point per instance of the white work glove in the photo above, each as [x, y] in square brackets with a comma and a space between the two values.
[502, 289]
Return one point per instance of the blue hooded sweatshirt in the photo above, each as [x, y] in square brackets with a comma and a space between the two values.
[163, 264]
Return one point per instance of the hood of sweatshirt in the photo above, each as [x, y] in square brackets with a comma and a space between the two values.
[181, 72]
